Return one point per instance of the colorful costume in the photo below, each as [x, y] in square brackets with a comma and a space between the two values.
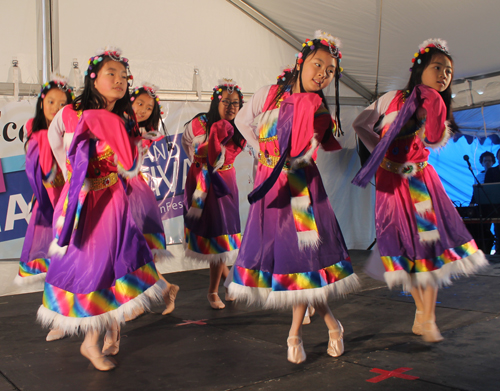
[212, 229]
[293, 250]
[101, 267]
[145, 212]
[421, 237]
[47, 181]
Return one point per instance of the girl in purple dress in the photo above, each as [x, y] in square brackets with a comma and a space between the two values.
[212, 229]
[293, 253]
[101, 266]
[45, 178]
[422, 240]
[147, 109]
[47, 181]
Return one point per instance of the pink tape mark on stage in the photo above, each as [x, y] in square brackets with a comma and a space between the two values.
[201, 322]
[387, 374]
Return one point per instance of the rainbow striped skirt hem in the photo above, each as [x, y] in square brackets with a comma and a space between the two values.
[34, 267]
[395, 263]
[294, 281]
[156, 241]
[81, 305]
[210, 246]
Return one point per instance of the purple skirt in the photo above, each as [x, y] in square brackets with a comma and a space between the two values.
[271, 269]
[105, 273]
[34, 261]
[216, 235]
[408, 259]
[144, 209]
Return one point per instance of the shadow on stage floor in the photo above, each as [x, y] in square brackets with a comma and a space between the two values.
[245, 348]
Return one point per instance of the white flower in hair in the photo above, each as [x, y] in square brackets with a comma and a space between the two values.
[438, 43]
[322, 35]
[230, 84]
[226, 82]
[110, 49]
[58, 79]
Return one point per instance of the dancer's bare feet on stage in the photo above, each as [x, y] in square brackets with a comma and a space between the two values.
[215, 301]
[111, 345]
[98, 360]
[169, 298]
[336, 341]
[54, 335]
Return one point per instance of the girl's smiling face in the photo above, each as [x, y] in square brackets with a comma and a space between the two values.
[318, 71]
[143, 107]
[229, 105]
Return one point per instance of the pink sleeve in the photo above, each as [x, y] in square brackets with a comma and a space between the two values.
[45, 153]
[433, 112]
[219, 133]
[55, 137]
[305, 105]
[324, 127]
[200, 141]
[110, 128]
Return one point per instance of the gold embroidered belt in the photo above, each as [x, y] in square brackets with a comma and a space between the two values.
[102, 183]
[407, 168]
[269, 161]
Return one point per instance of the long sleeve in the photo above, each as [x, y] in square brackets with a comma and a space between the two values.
[220, 133]
[245, 119]
[110, 128]
[364, 124]
[432, 111]
[55, 136]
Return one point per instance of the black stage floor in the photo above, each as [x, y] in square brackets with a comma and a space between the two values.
[245, 349]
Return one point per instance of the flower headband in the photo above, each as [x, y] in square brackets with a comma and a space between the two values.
[56, 81]
[111, 52]
[332, 43]
[230, 85]
[286, 69]
[425, 46]
[151, 90]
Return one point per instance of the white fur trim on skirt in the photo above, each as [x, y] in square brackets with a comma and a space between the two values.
[440, 277]
[269, 299]
[73, 326]
[226, 257]
[29, 280]
[161, 256]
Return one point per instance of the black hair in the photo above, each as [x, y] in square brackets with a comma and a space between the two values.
[290, 78]
[416, 78]
[91, 99]
[155, 118]
[484, 154]
[213, 115]
[39, 121]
